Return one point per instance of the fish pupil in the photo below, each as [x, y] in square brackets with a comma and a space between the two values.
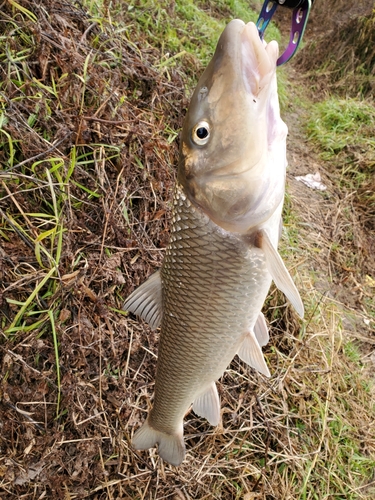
[202, 132]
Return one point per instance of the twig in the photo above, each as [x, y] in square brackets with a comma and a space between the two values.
[24, 415]
[39, 155]
[101, 120]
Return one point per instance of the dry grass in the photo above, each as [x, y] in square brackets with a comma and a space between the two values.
[341, 53]
[87, 129]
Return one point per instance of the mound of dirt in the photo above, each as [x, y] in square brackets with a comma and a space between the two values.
[86, 135]
[340, 48]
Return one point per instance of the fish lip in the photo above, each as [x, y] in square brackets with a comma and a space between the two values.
[255, 61]
[241, 44]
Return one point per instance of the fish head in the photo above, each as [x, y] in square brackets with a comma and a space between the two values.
[233, 142]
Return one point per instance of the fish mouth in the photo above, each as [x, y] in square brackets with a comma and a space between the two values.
[257, 59]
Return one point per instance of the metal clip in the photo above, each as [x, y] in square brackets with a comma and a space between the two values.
[301, 11]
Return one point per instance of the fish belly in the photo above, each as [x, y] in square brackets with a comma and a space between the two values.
[213, 288]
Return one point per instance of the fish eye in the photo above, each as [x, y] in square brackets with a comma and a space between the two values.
[201, 133]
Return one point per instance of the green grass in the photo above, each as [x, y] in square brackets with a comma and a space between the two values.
[43, 232]
[342, 124]
[188, 29]
[344, 132]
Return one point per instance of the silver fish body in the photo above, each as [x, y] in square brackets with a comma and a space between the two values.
[214, 285]
[222, 254]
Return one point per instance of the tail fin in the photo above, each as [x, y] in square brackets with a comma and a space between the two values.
[171, 446]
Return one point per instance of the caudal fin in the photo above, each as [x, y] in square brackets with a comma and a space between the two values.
[171, 446]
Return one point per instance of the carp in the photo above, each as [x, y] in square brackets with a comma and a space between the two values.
[222, 255]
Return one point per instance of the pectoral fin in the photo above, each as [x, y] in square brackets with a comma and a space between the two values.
[207, 405]
[279, 272]
[251, 353]
[261, 330]
[146, 301]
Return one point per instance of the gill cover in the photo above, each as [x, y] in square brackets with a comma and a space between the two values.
[232, 154]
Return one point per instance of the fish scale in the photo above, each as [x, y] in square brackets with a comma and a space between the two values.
[207, 318]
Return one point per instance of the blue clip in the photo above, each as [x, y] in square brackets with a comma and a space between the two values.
[299, 20]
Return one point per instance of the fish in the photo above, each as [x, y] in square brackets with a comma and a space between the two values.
[222, 255]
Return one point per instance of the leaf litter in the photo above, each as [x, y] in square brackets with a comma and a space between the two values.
[88, 166]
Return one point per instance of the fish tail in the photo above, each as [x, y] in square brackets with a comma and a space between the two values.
[171, 446]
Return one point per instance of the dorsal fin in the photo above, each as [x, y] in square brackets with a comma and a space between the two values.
[279, 272]
[146, 301]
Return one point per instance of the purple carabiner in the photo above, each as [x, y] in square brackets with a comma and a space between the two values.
[299, 20]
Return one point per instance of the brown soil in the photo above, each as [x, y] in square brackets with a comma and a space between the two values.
[326, 215]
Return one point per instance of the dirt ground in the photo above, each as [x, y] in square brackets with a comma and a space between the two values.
[69, 437]
[322, 213]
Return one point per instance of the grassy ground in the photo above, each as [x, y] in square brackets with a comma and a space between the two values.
[91, 104]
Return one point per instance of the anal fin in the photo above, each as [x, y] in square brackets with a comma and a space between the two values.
[146, 301]
[251, 353]
[279, 272]
[207, 405]
[261, 330]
